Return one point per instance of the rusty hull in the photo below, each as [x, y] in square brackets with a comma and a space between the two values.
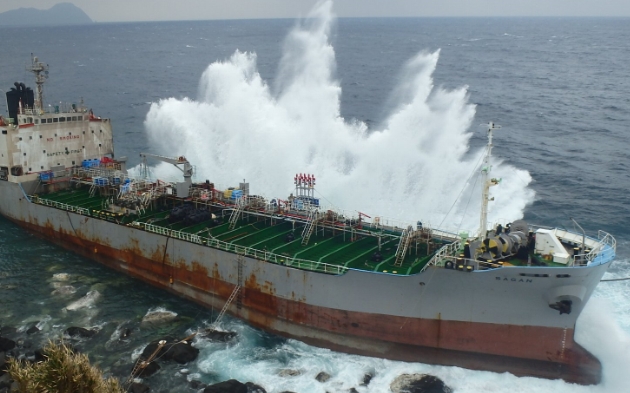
[545, 352]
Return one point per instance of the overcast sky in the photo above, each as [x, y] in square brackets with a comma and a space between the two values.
[152, 10]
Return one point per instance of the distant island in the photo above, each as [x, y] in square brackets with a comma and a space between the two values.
[59, 14]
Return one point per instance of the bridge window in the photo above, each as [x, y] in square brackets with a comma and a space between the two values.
[62, 119]
[55, 120]
[74, 118]
[4, 132]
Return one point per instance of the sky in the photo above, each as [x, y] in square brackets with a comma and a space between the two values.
[157, 10]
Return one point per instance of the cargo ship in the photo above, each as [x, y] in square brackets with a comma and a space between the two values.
[505, 299]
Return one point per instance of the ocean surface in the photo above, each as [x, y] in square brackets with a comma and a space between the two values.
[387, 113]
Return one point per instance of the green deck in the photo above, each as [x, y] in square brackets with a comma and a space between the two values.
[326, 246]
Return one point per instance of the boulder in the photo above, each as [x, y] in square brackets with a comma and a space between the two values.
[64, 290]
[6, 344]
[183, 352]
[194, 384]
[418, 383]
[38, 355]
[158, 316]
[74, 331]
[3, 364]
[146, 371]
[84, 302]
[218, 335]
[5, 381]
[230, 386]
[7, 331]
[366, 379]
[138, 388]
[124, 333]
[287, 372]
[180, 352]
[322, 377]
[32, 329]
[253, 388]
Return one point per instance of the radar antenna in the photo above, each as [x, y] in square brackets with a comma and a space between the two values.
[41, 74]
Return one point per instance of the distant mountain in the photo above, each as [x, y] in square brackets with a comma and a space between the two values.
[59, 14]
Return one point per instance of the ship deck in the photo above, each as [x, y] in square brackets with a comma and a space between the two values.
[281, 236]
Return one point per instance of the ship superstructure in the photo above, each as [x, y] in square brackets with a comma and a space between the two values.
[506, 299]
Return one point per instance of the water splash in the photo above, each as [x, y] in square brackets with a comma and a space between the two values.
[416, 166]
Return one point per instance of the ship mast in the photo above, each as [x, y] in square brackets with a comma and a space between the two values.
[41, 74]
[486, 184]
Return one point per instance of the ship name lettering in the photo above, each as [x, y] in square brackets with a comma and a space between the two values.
[514, 279]
[65, 138]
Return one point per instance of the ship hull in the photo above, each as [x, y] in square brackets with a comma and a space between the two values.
[498, 321]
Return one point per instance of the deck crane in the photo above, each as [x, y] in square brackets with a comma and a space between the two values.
[181, 163]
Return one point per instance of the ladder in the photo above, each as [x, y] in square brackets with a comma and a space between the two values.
[313, 217]
[405, 239]
[236, 213]
[239, 299]
[226, 305]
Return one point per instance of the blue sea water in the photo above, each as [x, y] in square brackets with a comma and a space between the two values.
[558, 86]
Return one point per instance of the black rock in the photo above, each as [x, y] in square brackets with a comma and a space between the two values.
[366, 379]
[217, 335]
[194, 384]
[183, 352]
[180, 352]
[74, 331]
[7, 331]
[138, 388]
[148, 370]
[5, 378]
[32, 329]
[38, 356]
[231, 386]
[253, 388]
[322, 377]
[419, 383]
[152, 347]
[124, 333]
[353, 390]
[6, 344]
[3, 365]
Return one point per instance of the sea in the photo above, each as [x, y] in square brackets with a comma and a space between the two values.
[389, 114]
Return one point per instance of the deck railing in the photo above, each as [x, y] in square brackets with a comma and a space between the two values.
[447, 252]
[60, 205]
[267, 256]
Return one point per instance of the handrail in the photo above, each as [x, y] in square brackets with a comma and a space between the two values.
[446, 252]
[60, 205]
[267, 256]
